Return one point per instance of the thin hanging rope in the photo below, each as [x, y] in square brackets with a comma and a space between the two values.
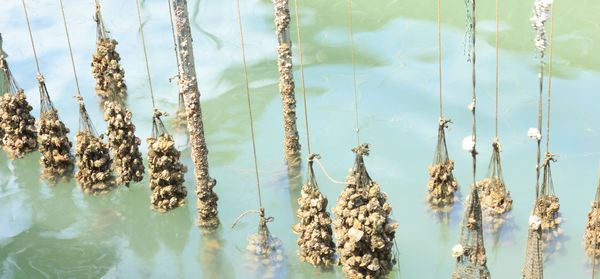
[497, 28]
[474, 152]
[137, 5]
[354, 72]
[174, 39]
[249, 106]
[439, 52]
[62, 10]
[37, 65]
[549, 78]
[302, 77]
[100, 19]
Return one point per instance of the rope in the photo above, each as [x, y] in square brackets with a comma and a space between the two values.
[549, 78]
[100, 21]
[497, 25]
[302, 76]
[439, 53]
[174, 39]
[474, 152]
[37, 65]
[137, 5]
[70, 50]
[326, 174]
[249, 106]
[353, 71]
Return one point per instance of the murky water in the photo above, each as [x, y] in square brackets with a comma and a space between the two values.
[60, 232]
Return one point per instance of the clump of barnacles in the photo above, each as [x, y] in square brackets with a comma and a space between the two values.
[93, 158]
[57, 161]
[17, 124]
[124, 145]
[591, 237]
[166, 172]
[441, 186]
[314, 229]
[363, 228]
[108, 72]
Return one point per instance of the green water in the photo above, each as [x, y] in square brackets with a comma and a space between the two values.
[60, 232]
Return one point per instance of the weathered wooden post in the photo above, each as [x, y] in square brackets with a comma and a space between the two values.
[188, 86]
[291, 143]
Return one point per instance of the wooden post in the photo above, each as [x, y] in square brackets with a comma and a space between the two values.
[188, 86]
[291, 143]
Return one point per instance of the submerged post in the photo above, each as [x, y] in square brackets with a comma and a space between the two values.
[188, 86]
[291, 143]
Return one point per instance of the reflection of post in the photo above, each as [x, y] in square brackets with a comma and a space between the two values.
[188, 85]
[291, 145]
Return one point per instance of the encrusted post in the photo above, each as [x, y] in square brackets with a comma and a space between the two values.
[188, 86]
[291, 143]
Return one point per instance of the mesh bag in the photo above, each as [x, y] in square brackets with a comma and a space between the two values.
[364, 231]
[534, 260]
[179, 121]
[470, 252]
[314, 229]
[93, 158]
[106, 67]
[495, 198]
[124, 145]
[441, 186]
[17, 125]
[548, 207]
[54, 145]
[166, 172]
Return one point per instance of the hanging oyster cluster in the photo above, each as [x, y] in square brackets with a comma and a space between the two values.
[124, 145]
[17, 124]
[107, 70]
[315, 235]
[166, 174]
[264, 253]
[55, 147]
[495, 201]
[591, 237]
[93, 163]
[441, 186]
[363, 229]
[179, 120]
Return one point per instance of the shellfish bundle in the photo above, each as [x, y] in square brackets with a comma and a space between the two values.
[591, 237]
[93, 157]
[57, 161]
[17, 124]
[179, 121]
[363, 228]
[166, 172]
[495, 198]
[127, 159]
[108, 72]
[264, 253]
[315, 234]
[441, 186]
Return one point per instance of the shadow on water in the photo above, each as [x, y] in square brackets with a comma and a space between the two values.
[211, 256]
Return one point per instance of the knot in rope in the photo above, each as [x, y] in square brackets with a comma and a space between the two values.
[497, 145]
[313, 156]
[158, 113]
[261, 212]
[174, 77]
[79, 100]
[549, 157]
[40, 78]
[444, 122]
[362, 149]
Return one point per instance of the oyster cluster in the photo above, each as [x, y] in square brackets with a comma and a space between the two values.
[124, 145]
[441, 186]
[166, 174]
[315, 234]
[106, 69]
[57, 161]
[549, 206]
[591, 237]
[363, 229]
[179, 121]
[93, 163]
[264, 255]
[18, 125]
[495, 201]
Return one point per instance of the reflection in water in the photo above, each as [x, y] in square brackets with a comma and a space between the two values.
[264, 256]
[294, 179]
[212, 259]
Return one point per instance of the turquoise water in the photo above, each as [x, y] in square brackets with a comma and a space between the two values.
[60, 232]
